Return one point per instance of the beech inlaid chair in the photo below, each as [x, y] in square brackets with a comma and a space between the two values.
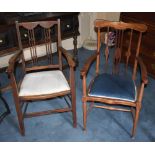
[41, 81]
[115, 87]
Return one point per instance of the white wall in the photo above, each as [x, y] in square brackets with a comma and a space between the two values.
[112, 16]
[84, 27]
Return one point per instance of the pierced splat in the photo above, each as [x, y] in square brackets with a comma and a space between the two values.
[31, 38]
[118, 50]
[48, 43]
[32, 46]
[30, 27]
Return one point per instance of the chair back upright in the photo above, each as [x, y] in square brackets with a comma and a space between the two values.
[126, 44]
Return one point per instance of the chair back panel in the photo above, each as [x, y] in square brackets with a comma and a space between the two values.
[35, 37]
[117, 31]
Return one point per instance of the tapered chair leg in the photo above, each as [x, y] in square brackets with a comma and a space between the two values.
[21, 126]
[74, 111]
[135, 122]
[84, 115]
[73, 96]
[20, 119]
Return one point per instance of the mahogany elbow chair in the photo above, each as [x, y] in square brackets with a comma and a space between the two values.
[41, 82]
[115, 87]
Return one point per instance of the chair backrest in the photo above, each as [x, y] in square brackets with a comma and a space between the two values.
[36, 40]
[122, 36]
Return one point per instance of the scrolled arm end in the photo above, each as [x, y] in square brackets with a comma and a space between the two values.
[12, 62]
[86, 66]
[144, 75]
[71, 62]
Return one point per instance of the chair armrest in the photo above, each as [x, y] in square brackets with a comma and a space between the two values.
[71, 62]
[143, 70]
[86, 66]
[11, 71]
[12, 61]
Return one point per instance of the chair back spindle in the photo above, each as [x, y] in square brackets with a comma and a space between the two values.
[118, 29]
[32, 46]
[98, 51]
[137, 54]
[48, 44]
[128, 53]
[117, 52]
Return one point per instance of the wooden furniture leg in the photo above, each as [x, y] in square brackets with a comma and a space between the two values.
[84, 115]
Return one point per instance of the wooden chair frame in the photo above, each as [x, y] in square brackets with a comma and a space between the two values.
[19, 58]
[135, 106]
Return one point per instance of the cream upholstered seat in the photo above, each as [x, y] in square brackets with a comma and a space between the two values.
[42, 83]
[41, 71]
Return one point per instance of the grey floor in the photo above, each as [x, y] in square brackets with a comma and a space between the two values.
[102, 125]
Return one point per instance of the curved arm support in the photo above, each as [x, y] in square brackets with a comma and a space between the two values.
[67, 56]
[13, 61]
[144, 80]
[144, 77]
[86, 66]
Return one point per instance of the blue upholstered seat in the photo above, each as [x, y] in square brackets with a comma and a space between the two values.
[113, 86]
